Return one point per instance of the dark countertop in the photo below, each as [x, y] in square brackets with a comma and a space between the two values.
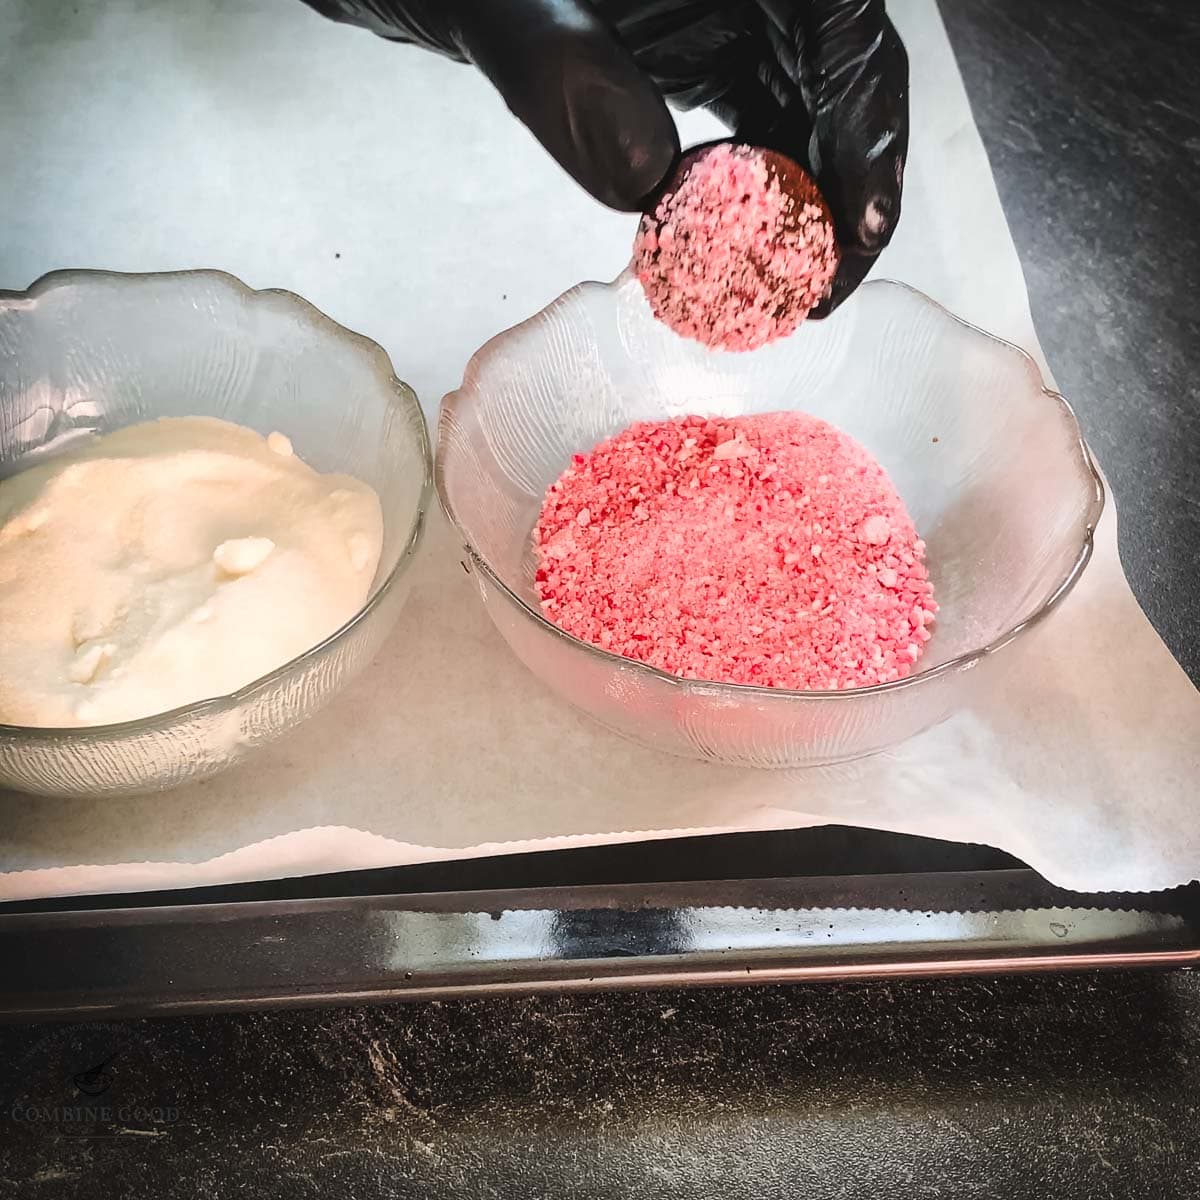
[1006, 1088]
[1091, 120]
[1072, 1086]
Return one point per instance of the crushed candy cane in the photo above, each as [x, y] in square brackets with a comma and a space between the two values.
[770, 549]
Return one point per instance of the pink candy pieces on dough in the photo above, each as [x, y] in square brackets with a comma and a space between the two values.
[769, 549]
[740, 252]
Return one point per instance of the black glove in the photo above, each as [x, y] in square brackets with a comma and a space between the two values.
[823, 81]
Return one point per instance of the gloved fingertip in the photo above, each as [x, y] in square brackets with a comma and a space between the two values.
[626, 144]
[626, 141]
[572, 82]
[878, 222]
[825, 308]
[852, 270]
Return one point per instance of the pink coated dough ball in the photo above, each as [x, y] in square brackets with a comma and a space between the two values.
[739, 249]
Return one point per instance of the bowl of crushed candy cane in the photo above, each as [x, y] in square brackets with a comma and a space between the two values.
[790, 557]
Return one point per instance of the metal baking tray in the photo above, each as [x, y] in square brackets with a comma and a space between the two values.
[828, 903]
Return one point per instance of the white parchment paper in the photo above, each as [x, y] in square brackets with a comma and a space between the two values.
[392, 190]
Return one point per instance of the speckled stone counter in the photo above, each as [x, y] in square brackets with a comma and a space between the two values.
[1071, 1086]
[1012, 1088]
[1091, 120]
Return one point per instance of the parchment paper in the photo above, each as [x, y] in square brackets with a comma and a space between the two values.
[392, 190]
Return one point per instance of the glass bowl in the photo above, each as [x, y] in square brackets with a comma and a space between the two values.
[990, 462]
[86, 352]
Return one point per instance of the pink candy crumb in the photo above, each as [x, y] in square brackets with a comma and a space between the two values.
[768, 549]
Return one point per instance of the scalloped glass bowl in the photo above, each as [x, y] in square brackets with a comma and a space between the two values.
[990, 462]
[84, 352]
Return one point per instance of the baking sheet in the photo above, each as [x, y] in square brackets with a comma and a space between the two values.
[301, 155]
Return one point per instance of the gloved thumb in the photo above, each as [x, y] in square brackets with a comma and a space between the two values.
[565, 75]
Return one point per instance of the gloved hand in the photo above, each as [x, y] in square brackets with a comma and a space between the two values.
[823, 81]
